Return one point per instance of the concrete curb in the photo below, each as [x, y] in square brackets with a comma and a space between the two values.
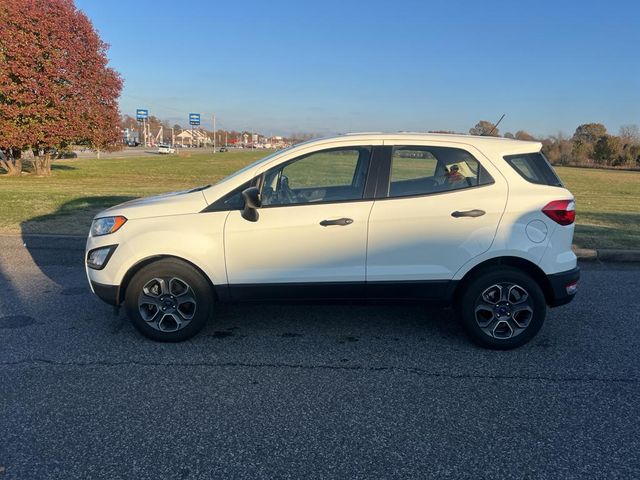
[618, 255]
[615, 255]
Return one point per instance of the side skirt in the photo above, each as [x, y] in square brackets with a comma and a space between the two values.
[439, 291]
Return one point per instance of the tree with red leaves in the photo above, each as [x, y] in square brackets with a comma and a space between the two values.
[56, 88]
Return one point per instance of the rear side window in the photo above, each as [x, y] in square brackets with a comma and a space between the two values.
[418, 170]
[534, 168]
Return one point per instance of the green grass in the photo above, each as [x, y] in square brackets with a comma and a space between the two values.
[80, 188]
[608, 206]
[608, 201]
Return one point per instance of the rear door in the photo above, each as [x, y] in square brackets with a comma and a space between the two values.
[439, 208]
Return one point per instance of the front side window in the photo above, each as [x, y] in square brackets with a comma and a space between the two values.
[417, 170]
[333, 175]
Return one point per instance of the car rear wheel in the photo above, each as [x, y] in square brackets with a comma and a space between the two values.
[502, 308]
[169, 300]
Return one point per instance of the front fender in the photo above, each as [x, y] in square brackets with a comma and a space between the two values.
[196, 238]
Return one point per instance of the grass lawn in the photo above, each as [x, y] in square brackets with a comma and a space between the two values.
[608, 201]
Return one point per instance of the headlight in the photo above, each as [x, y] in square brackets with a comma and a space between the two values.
[106, 225]
[98, 257]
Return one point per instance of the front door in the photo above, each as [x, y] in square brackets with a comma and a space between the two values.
[311, 235]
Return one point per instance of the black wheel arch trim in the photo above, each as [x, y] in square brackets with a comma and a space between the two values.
[553, 295]
[107, 293]
[135, 268]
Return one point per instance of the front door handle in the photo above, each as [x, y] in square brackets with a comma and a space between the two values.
[341, 221]
[468, 213]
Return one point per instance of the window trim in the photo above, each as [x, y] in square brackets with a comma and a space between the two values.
[385, 180]
[432, 194]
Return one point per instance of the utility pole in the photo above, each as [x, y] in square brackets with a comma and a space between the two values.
[173, 138]
[214, 133]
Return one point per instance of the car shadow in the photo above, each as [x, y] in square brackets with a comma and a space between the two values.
[73, 217]
[47, 238]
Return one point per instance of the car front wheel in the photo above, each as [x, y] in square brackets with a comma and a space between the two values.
[169, 300]
[502, 308]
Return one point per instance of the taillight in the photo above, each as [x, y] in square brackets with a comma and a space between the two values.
[561, 211]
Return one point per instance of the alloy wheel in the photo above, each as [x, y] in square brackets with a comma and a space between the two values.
[167, 304]
[504, 310]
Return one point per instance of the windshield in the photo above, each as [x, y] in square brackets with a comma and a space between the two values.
[252, 165]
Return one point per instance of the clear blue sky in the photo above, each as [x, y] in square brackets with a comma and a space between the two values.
[336, 66]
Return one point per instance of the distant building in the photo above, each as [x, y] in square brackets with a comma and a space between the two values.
[193, 138]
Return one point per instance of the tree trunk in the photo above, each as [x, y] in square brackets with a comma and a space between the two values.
[42, 164]
[12, 162]
[98, 153]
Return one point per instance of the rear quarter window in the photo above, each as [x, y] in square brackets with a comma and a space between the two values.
[534, 168]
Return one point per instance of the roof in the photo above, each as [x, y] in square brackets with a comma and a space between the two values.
[494, 144]
[458, 137]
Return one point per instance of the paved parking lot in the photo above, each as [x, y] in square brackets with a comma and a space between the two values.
[310, 391]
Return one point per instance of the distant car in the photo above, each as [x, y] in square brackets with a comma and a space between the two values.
[223, 149]
[166, 149]
[480, 223]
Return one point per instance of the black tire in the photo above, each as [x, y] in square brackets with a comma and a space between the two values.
[189, 317]
[472, 308]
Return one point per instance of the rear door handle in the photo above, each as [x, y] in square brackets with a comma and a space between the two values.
[340, 221]
[468, 213]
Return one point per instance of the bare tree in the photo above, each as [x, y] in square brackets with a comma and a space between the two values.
[630, 134]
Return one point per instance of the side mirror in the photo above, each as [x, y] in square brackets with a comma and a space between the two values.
[252, 202]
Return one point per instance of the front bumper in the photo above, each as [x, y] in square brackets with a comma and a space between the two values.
[104, 280]
[107, 293]
[558, 283]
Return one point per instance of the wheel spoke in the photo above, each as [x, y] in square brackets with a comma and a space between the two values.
[186, 298]
[504, 293]
[164, 286]
[522, 315]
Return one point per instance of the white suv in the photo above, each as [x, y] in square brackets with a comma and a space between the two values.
[479, 223]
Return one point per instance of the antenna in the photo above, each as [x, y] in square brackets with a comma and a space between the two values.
[496, 125]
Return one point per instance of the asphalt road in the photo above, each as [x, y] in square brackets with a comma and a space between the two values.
[310, 391]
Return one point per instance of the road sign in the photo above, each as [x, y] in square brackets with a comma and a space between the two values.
[194, 119]
[142, 114]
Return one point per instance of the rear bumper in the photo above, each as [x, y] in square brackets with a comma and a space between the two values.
[558, 283]
[106, 293]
